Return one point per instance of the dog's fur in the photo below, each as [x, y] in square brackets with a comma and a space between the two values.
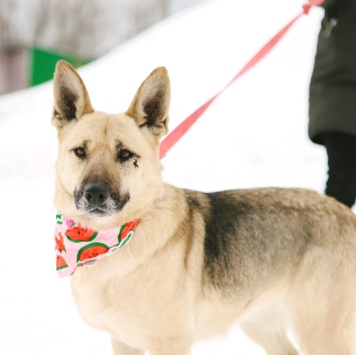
[198, 262]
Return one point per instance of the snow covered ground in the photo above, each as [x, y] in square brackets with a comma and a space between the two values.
[255, 134]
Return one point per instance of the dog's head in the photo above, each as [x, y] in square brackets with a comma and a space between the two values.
[107, 164]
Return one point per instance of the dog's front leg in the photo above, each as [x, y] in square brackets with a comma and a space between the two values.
[122, 349]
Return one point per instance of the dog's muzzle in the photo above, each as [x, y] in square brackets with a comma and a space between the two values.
[96, 200]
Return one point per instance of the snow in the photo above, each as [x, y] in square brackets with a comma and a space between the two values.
[255, 134]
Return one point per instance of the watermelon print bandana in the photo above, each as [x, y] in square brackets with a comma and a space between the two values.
[77, 246]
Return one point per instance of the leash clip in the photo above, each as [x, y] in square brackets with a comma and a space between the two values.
[307, 6]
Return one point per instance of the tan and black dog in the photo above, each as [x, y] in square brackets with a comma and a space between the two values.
[198, 262]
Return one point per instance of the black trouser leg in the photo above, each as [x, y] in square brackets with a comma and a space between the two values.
[341, 182]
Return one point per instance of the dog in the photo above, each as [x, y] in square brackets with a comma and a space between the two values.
[198, 263]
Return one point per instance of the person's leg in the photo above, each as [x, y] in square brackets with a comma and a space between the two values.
[341, 182]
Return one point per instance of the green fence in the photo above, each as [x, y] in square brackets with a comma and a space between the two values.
[43, 63]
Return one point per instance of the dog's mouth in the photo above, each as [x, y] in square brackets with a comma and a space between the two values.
[95, 200]
[97, 212]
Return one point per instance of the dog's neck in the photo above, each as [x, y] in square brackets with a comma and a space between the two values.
[77, 245]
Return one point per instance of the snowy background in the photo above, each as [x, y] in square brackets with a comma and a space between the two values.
[255, 134]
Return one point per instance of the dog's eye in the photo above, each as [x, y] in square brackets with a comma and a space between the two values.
[124, 155]
[80, 152]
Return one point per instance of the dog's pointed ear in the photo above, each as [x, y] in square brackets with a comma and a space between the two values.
[71, 99]
[150, 105]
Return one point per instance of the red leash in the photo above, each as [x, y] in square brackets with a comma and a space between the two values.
[179, 131]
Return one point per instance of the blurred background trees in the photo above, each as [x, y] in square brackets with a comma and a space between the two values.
[36, 33]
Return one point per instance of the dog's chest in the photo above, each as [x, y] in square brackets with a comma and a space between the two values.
[130, 308]
[109, 307]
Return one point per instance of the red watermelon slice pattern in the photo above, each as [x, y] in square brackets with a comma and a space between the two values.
[91, 251]
[60, 263]
[59, 243]
[81, 234]
[126, 232]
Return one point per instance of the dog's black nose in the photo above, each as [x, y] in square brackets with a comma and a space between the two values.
[96, 192]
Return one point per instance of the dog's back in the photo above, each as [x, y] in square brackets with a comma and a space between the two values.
[265, 231]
